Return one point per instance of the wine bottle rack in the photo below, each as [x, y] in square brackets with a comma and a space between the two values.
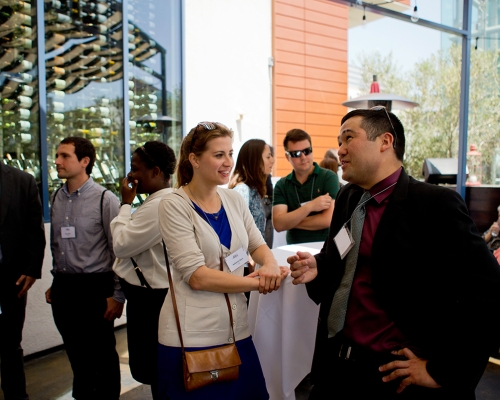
[85, 44]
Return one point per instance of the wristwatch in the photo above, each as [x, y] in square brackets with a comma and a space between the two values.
[123, 203]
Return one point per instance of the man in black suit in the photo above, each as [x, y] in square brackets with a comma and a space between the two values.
[22, 246]
[411, 310]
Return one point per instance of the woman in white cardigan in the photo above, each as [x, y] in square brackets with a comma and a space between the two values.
[137, 236]
[199, 223]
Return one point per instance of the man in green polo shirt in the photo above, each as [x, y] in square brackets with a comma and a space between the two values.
[304, 200]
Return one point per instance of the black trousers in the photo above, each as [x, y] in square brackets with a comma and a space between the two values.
[78, 306]
[360, 379]
[11, 331]
[143, 310]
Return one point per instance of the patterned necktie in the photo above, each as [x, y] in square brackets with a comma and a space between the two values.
[338, 308]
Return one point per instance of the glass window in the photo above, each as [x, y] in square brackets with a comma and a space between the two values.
[84, 75]
[19, 127]
[483, 158]
[154, 77]
[422, 65]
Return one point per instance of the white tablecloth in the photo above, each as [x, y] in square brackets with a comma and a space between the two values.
[283, 326]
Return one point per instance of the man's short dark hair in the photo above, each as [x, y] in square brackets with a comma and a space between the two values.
[83, 148]
[376, 123]
[296, 135]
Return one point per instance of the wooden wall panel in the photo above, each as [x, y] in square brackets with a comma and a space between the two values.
[310, 73]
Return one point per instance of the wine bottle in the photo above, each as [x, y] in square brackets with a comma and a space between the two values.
[13, 162]
[25, 101]
[96, 173]
[24, 113]
[53, 174]
[112, 167]
[58, 117]
[29, 167]
[24, 126]
[106, 171]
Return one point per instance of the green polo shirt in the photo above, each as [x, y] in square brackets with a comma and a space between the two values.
[290, 191]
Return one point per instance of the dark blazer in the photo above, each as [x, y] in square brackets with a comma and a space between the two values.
[22, 234]
[432, 273]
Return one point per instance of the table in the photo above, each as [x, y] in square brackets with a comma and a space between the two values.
[283, 327]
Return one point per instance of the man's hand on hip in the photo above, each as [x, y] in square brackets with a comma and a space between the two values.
[413, 371]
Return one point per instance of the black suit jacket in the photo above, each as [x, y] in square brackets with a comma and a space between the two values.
[22, 234]
[432, 273]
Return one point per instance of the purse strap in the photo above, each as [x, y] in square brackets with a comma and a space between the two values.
[172, 293]
[140, 275]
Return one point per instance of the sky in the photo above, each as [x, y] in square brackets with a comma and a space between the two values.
[408, 42]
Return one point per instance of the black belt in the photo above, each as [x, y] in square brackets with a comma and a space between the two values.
[347, 351]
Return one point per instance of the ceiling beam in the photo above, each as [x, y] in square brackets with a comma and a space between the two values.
[402, 17]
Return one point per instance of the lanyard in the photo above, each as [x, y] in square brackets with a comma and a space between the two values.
[367, 200]
[312, 189]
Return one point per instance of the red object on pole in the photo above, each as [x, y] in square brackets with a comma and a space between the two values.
[374, 88]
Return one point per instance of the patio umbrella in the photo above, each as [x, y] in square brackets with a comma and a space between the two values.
[375, 98]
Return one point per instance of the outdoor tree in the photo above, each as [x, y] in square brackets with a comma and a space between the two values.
[434, 83]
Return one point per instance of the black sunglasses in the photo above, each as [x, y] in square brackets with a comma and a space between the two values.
[379, 108]
[209, 126]
[298, 153]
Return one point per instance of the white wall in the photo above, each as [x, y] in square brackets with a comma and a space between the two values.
[227, 45]
[40, 332]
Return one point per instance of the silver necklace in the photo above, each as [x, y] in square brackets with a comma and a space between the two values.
[215, 215]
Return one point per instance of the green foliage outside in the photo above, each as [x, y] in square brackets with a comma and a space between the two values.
[432, 127]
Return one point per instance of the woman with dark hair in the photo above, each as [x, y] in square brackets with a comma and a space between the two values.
[329, 163]
[207, 228]
[254, 164]
[137, 241]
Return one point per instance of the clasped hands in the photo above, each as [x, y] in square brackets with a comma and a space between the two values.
[270, 277]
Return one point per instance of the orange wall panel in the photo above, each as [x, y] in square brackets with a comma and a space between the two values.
[289, 22]
[325, 97]
[283, 56]
[326, 19]
[290, 69]
[289, 81]
[292, 93]
[326, 7]
[290, 105]
[290, 46]
[289, 33]
[298, 3]
[325, 52]
[310, 73]
[289, 10]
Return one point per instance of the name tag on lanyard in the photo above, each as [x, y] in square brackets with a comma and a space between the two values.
[344, 241]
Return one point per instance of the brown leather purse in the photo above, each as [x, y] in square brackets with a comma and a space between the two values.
[204, 367]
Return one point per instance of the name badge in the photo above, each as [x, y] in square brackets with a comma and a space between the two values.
[68, 232]
[237, 259]
[344, 241]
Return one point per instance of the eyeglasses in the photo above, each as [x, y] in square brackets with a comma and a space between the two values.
[379, 108]
[209, 126]
[298, 153]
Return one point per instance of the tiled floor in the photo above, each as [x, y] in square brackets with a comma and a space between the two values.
[49, 377]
